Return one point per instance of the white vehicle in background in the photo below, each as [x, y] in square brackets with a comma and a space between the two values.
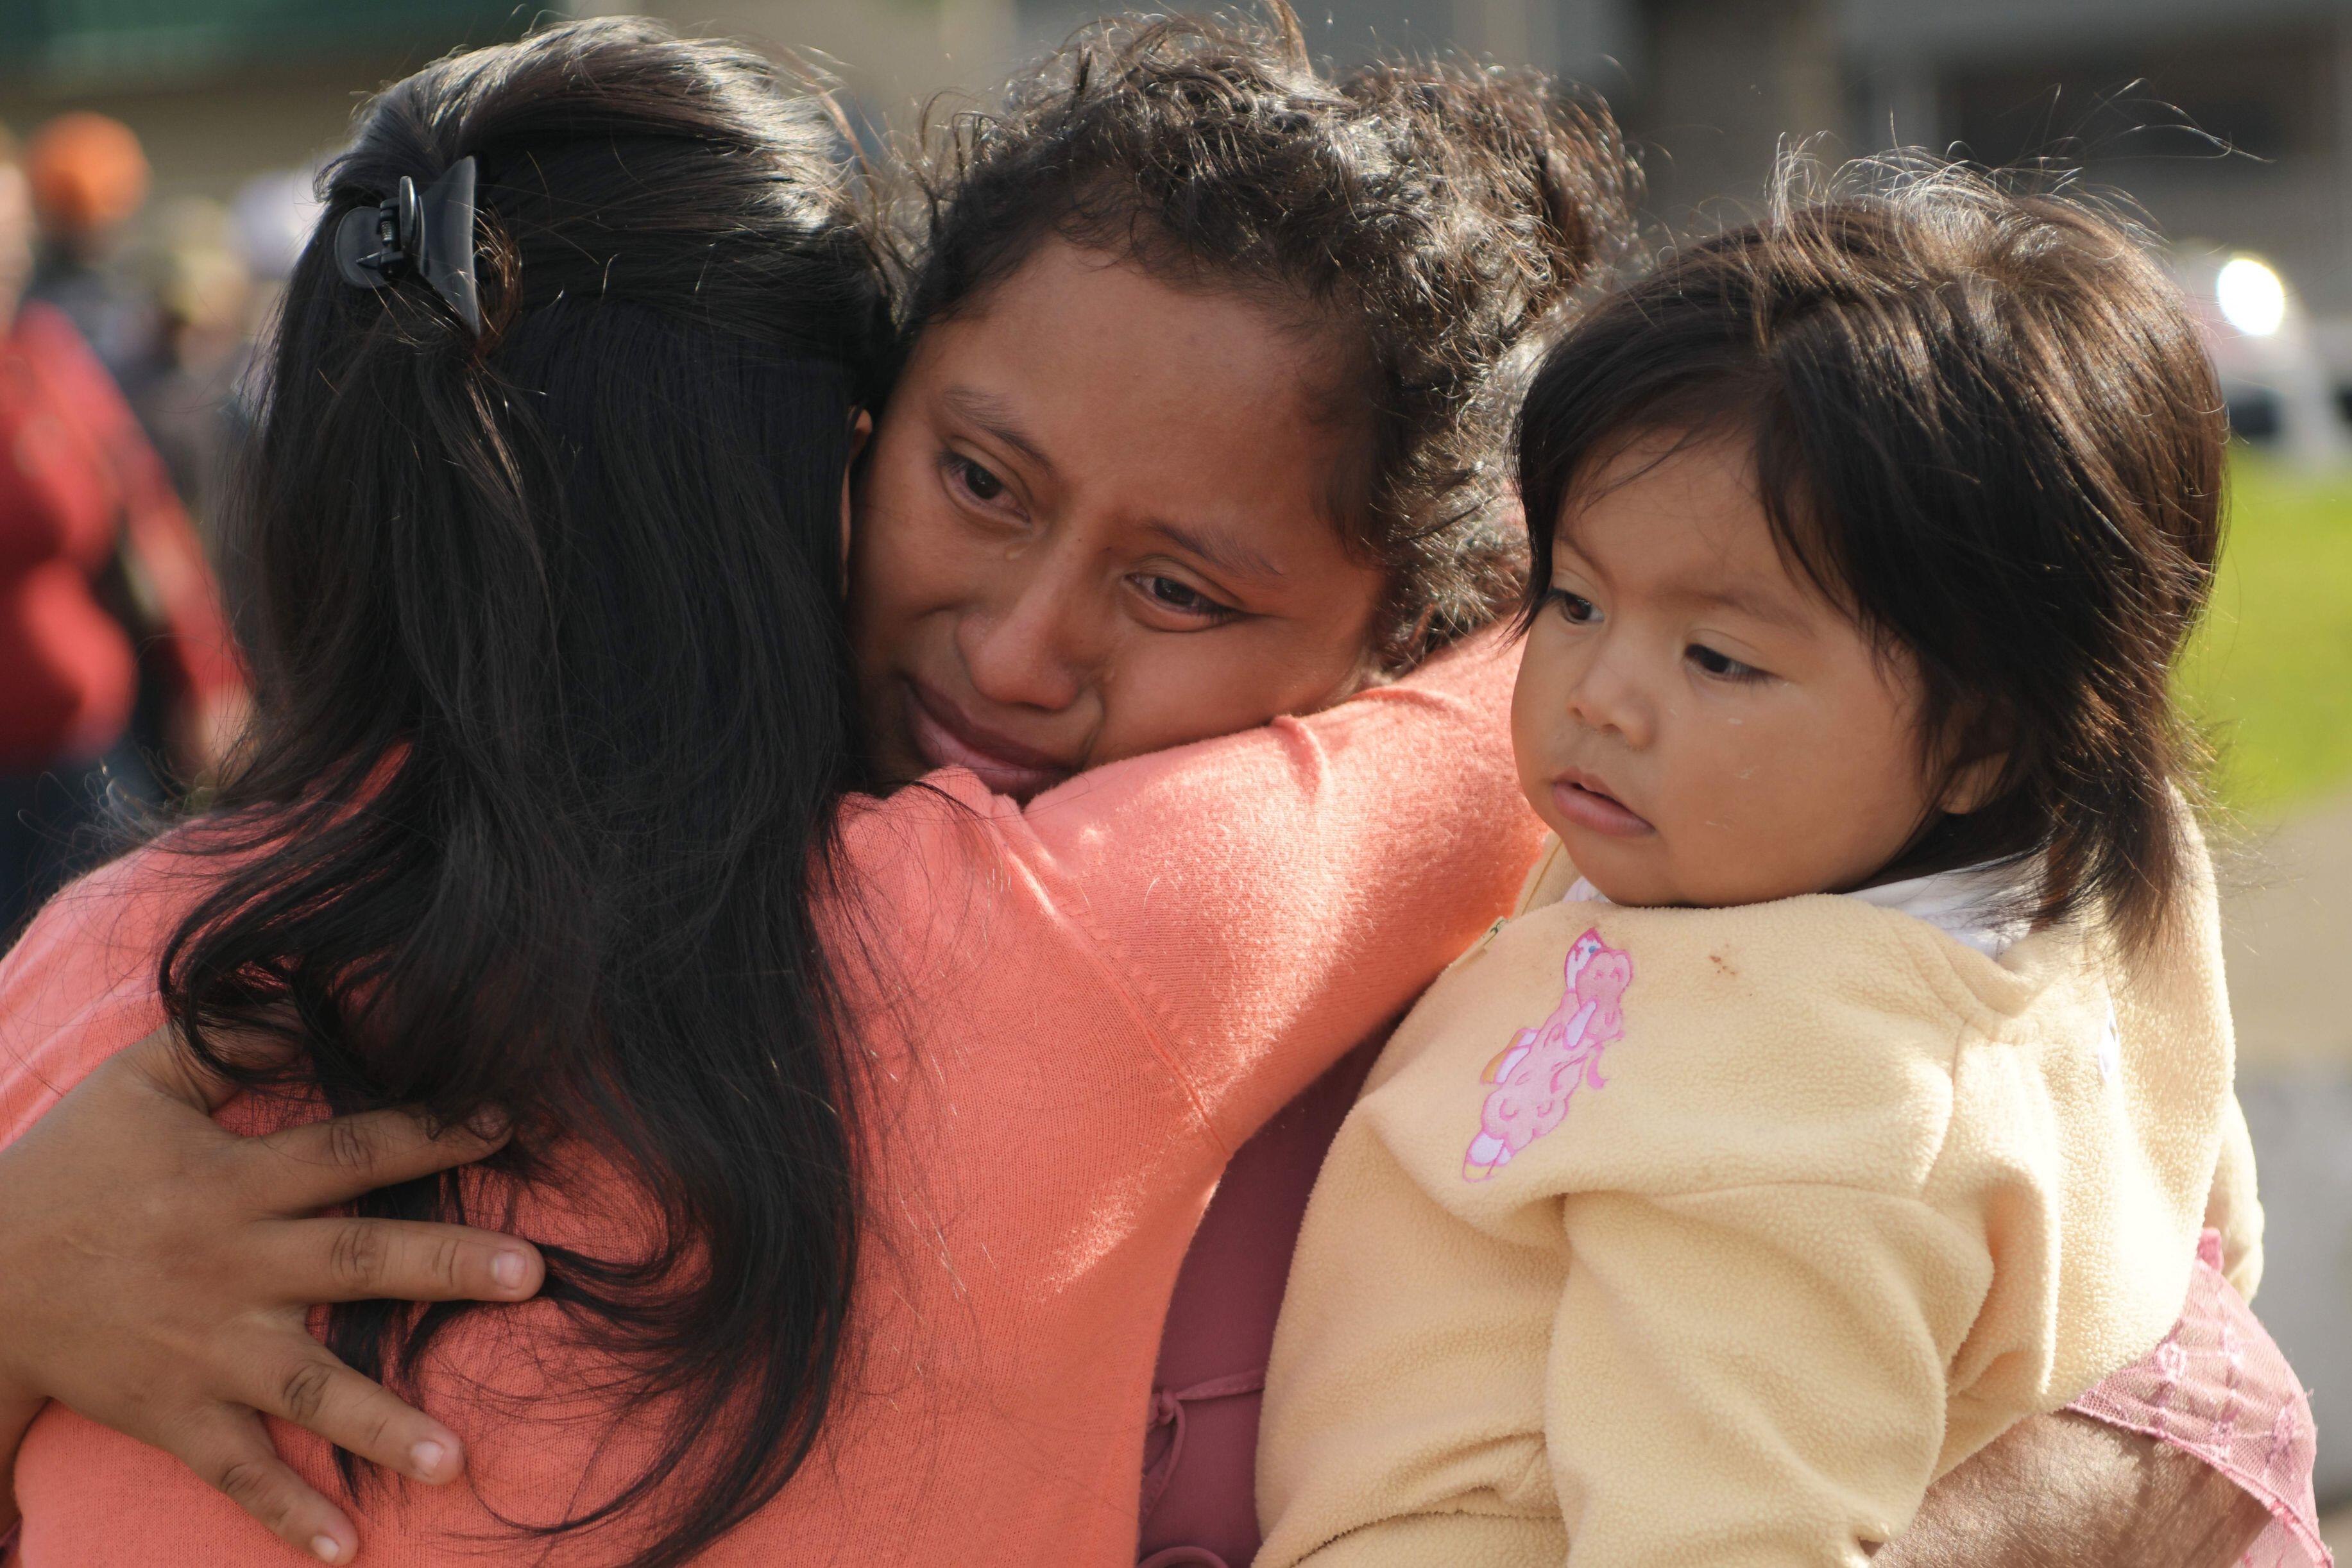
[2279, 380]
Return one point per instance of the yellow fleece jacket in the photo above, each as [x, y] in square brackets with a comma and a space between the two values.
[1713, 1236]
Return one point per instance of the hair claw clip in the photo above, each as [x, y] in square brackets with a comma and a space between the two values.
[431, 235]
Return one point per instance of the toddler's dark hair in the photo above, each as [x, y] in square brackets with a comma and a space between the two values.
[1984, 425]
[1425, 219]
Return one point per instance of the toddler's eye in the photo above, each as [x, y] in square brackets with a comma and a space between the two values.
[1578, 610]
[1721, 665]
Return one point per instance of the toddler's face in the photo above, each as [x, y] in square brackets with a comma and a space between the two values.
[1699, 725]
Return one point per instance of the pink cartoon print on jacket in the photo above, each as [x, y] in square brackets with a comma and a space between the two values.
[1538, 1073]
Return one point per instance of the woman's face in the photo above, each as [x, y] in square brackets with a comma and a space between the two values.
[1100, 520]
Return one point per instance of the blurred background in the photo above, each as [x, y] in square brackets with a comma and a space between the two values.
[168, 147]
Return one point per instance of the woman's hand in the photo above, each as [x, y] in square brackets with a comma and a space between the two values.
[156, 1271]
[2066, 1491]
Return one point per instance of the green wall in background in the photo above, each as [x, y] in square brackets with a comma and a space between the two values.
[64, 43]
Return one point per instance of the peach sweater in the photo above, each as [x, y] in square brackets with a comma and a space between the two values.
[1110, 991]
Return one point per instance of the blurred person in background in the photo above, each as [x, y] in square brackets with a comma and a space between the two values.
[119, 667]
[88, 178]
[183, 381]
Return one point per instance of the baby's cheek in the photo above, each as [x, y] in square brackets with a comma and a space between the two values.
[1736, 825]
[1539, 718]
[1784, 825]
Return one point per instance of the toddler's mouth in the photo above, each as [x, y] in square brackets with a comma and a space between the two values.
[1584, 800]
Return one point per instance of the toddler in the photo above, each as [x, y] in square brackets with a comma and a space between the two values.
[1855, 1079]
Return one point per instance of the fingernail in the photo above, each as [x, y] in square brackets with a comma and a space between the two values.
[507, 1268]
[327, 1548]
[427, 1456]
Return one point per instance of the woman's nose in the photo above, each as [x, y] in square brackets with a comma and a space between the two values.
[1026, 648]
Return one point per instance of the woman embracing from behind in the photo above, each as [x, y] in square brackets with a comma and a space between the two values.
[543, 823]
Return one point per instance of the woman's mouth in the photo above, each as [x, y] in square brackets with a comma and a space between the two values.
[1583, 800]
[945, 737]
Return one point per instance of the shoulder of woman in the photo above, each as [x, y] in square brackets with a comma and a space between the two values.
[80, 983]
[1474, 677]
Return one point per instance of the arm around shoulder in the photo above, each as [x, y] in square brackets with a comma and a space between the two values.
[1269, 898]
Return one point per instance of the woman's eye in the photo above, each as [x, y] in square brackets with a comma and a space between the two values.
[1721, 665]
[1580, 611]
[976, 482]
[1182, 598]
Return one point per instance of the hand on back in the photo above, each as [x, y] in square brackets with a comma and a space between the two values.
[156, 1273]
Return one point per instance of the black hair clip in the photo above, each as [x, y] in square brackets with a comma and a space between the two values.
[431, 235]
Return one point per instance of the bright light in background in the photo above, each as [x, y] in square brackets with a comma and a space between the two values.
[2252, 298]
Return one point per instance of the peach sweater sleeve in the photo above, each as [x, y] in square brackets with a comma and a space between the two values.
[1146, 963]
[1263, 900]
[1262, 903]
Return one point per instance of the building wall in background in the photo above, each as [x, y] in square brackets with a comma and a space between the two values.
[1712, 87]
[216, 102]
[2110, 84]
[2228, 124]
[221, 89]
[890, 57]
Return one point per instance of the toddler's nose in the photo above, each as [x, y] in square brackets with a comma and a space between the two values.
[1610, 699]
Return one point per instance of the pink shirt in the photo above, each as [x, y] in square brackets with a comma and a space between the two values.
[1110, 990]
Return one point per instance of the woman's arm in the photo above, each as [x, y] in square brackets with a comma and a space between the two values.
[2066, 1491]
[128, 1181]
[1268, 901]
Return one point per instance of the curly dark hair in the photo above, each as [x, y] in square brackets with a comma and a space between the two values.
[1427, 219]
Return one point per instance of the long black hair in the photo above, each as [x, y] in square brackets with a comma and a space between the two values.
[554, 709]
[1427, 220]
[1984, 424]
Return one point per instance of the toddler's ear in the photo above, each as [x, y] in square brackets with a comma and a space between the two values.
[1971, 785]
